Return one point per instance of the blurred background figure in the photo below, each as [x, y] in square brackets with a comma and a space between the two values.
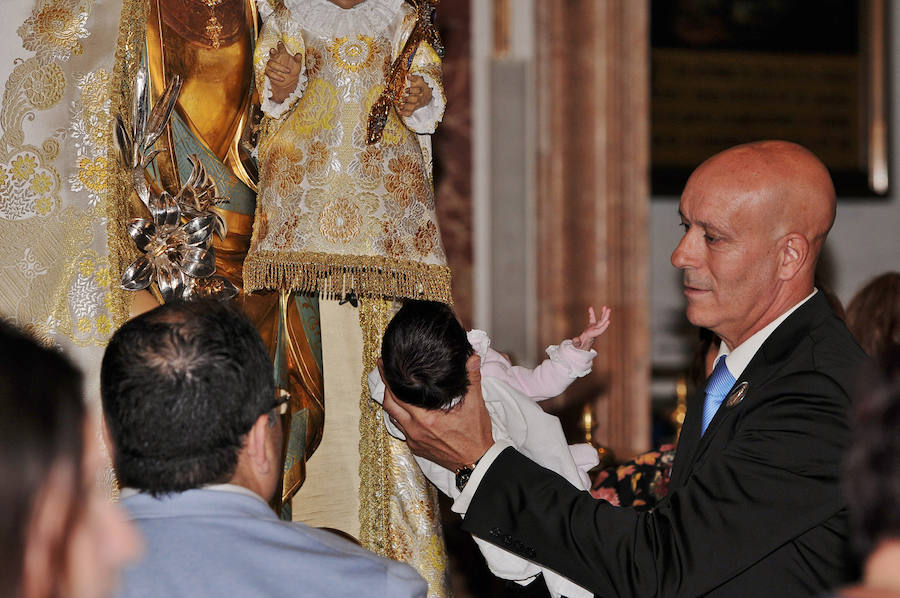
[872, 480]
[873, 314]
[59, 534]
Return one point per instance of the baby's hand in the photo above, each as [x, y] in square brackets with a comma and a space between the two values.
[585, 340]
[418, 94]
[283, 71]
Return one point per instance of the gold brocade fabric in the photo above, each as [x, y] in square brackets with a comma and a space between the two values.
[59, 177]
[56, 159]
[398, 516]
[335, 214]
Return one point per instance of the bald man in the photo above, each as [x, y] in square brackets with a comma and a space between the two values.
[754, 507]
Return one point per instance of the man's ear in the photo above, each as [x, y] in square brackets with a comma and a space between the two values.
[257, 439]
[794, 255]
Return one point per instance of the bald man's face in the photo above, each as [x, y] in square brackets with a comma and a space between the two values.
[728, 254]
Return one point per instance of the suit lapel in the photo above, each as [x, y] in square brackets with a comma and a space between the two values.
[770, 358]
[688, 439]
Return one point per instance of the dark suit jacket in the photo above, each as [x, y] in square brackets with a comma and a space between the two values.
[754, 507]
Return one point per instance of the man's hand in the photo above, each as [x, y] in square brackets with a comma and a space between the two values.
[283, 71]
[452, 438]
[418, 94]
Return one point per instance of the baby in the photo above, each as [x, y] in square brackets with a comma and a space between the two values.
[423, 360]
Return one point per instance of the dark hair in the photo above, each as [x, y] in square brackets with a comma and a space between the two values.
[424, 351]
[42, 427]
[181, 387]
[873, 315]
[872, 470]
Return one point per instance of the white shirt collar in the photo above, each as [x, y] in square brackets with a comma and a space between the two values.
[740, 357]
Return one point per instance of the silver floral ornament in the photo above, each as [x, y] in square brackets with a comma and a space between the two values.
[178, 256]
[174, 254]
[199, 195]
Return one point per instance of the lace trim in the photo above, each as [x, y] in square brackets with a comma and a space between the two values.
[276, 110]
[326, 19]
[578, 362]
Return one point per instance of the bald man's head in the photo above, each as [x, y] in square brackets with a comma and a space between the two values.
[792, 183]
[755, 219]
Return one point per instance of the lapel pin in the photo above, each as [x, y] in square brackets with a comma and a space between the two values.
[737, 395]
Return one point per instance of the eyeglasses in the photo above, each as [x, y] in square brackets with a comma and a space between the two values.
[282, 401]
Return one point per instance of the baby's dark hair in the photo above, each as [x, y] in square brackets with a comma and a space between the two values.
[424, 351]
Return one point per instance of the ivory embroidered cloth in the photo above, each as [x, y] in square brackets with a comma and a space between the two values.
[335, 214]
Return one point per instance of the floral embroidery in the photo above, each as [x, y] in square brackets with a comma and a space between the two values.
[89, 293]
[92, 174]
[86, 268]
[90, 122]
[342, 213]
[317, 156]
[405, 182]
[357, 204]
[353, 55]
[44, 86]
[285, 236]
[367, 166]
[285, 167]
[314, 62]
[320, 112]
[23, 167]
[40, 184]
[392, 242]
[91, 112]
[104, 326]
[103, 278]
[43, 206]
[84, 325]
[426, 238]
[410, 219]
[28, 188]
[340, 221]
[54, 29]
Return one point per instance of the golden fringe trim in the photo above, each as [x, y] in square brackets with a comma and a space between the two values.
[120, 206]
[333, 276]
[398, 509]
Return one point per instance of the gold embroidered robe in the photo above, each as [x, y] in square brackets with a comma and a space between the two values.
[336, 215]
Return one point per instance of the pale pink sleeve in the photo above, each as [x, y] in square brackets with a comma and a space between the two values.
[550, 378]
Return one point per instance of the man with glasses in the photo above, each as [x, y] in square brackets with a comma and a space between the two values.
[192, 414]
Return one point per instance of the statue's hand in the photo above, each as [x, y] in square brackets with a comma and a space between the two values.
[418, 94]
[283, 71]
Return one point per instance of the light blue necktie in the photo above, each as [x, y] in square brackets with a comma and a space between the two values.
[720, 382]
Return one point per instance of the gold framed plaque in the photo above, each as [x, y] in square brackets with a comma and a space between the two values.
[725, 72]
